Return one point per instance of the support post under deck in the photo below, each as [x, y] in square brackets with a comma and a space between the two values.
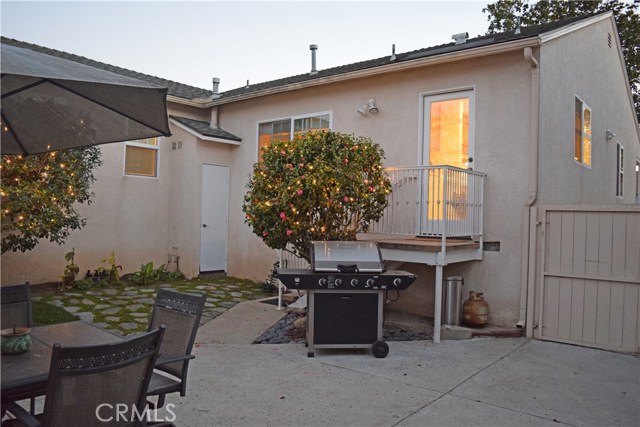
[437, 315]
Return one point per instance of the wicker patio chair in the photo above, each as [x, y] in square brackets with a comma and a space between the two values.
[16, 305]
[87, 385]
[181, 314]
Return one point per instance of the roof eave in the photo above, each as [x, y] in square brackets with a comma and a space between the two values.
[388, 68]
[203, 137]
[569, 28]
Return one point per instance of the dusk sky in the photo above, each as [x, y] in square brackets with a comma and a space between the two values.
[191, 42]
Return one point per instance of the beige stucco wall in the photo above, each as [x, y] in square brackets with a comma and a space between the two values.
[145, 219]
[501, 87]
[582, 64]
[133, 216]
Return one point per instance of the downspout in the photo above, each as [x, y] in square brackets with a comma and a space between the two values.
[534, 106]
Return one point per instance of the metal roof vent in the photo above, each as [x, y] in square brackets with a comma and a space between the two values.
[460, 38]
[313, 48]
[215, 88]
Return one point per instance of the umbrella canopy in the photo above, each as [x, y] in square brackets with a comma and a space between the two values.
[51, 103]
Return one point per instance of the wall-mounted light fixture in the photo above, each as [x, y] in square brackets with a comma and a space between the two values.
[369, 108]
[610, 135]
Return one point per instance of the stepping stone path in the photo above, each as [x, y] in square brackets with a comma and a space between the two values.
[126, 310]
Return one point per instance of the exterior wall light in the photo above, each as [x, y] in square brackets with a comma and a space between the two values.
[369, 108]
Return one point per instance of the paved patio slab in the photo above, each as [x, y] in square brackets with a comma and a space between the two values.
[478, 382]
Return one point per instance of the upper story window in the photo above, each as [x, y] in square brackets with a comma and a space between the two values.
[619, 170]
[141, 157]
[582, 144]
[281, 130]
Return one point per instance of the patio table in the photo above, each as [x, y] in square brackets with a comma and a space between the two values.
[27, 373]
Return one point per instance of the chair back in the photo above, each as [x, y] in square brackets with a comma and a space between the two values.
[16, 305]
[181, 314]
[88, 385]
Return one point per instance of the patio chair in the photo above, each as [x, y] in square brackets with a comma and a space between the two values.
[16, 311]
[87, 385]
[16, 305]
[181, 314]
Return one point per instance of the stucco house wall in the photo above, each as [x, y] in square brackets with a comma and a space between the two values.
[501, 85]
[582, 64]
[128, 215]
[144, 219]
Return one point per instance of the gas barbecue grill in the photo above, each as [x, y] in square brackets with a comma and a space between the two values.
[346, 285]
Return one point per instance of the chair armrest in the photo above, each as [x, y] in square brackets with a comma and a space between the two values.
[160, 361]
[20, 413]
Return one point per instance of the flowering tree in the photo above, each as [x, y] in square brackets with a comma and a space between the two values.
[320, 186]
[39, 193]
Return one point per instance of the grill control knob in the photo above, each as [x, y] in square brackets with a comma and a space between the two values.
[397, 281]
[338, 283]
[369, 283]
[322, 282]
[354, 282]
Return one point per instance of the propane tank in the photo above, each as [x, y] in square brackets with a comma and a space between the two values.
[476, 310]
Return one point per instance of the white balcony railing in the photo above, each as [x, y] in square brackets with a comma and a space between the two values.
[441, 201]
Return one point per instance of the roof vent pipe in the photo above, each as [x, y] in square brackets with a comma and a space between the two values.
[460, 38]
[393, 53]
[313, 48]
[215, 88]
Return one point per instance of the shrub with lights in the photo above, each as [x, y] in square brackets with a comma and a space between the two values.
[39, 195]
[320, 186]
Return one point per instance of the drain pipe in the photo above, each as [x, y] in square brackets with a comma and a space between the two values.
[527, 270]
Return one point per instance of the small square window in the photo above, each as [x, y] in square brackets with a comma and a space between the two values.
[141, 158]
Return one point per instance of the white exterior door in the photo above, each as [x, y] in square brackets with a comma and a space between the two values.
[215, 218]
[448, 141]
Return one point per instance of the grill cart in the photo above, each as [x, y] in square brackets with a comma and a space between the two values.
[345, 298]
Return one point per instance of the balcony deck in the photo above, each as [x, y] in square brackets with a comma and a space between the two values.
[425, 250]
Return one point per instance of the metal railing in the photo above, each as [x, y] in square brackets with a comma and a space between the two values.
[440, 201]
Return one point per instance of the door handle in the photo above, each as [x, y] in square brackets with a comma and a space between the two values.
[204, 225]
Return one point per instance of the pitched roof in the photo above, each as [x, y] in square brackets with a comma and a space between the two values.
[191, 93]
[492, 39]
[204, 129]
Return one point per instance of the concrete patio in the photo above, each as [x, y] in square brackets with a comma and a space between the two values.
[476, 382]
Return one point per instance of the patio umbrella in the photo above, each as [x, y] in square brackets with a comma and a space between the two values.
[50, 103]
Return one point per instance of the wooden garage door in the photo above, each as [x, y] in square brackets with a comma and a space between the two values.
[589, 287]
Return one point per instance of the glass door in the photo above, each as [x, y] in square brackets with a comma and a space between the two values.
[447, 141]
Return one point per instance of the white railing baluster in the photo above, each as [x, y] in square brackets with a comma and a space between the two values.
[442, 201]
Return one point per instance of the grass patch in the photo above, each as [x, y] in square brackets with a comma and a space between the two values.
[47, 314]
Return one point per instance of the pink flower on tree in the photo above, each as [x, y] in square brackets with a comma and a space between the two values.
[283, 216]
[289, 232]
[299, 192]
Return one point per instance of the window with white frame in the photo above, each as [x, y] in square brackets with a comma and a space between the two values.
[281, 130]
[141, 157]
[619, 170]
[582, 142]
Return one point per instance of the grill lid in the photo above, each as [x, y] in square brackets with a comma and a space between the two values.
[346, 257]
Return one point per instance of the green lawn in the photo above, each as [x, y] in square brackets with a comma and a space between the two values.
[47, 314]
